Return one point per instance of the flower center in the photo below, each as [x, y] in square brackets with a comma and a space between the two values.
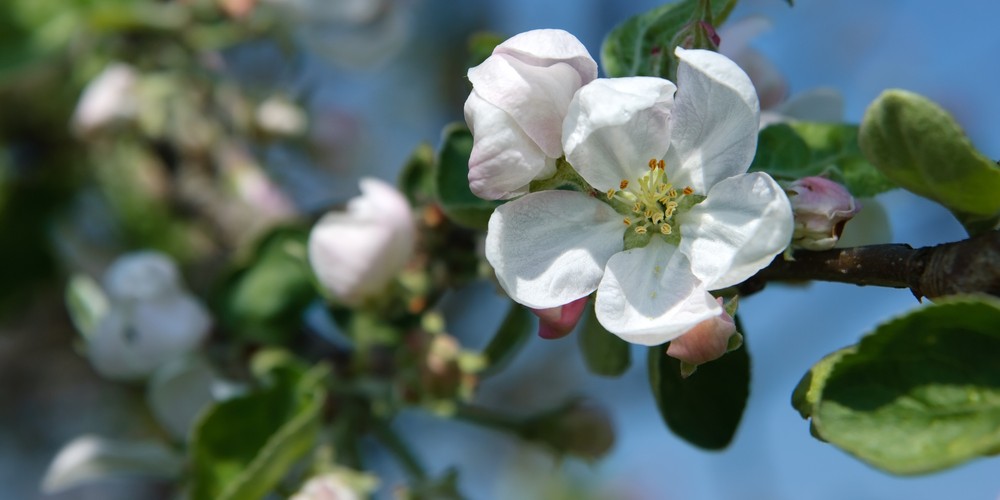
[653, 200]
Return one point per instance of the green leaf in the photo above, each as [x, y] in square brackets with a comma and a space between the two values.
[452, 180]
[481, 46]
[263, 299]
[508, 340]
[416, 180]
[920, 394]
[790, 151]
[603, 352]
[644, 44]
[86, 303]
[919, 146]
[705, 408]
[243, 447]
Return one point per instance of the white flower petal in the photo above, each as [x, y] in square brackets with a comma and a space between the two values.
[549, 248]
[648, 295]
[714, 131]
[614, 126]
[547, 46]
[536, 97]
[504, 159]
[743, 223]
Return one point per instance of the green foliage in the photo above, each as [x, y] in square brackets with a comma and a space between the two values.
[243, 447]
[918, 145]
[263, 300]
[416, 179]
[802, 149]
[644, 44]
[705, 408]
[86, 303]
[481, 46]
[603, 352]
[509, 338]
[452, 180]
[919, 394]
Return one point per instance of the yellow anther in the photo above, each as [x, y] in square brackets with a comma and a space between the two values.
[669, 212]
[623, 184]
[666, 229]
[640, 229]
[611, 193]
[688, 191]
[648, 213]
[627, 221]
[657, 217]
[637, 208]
[672, 193]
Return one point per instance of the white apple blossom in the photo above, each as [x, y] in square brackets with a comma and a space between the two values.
[519, 99]
[151, 319]
[111, 96]
[355, 254]
[675, 215]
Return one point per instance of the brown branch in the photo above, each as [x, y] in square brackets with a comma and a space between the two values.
[967, 266]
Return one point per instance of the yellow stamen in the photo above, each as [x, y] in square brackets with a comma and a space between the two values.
[611, 193]
[640, 229]
[627, 221]
[666, 229]
[623, 184]
[688, 191]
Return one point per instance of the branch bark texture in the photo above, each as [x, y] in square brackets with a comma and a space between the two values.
[967, 266]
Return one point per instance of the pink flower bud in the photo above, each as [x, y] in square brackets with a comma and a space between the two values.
[707, 341]
[821, 209]
[557, 322]
[356, 254]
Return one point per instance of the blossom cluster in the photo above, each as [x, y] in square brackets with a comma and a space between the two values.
[663, 211]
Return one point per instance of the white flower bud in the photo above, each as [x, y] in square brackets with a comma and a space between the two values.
[355, 254]
[707, 341]
[109, 97]
[821, 208]
[326, 487]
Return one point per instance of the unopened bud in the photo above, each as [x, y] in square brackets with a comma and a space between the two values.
[822, 208]
[338, 485]
[557, 322]
[356, 254]
[707, 341]
[580, 428]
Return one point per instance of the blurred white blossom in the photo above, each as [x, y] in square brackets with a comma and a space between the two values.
[355, 254]
[151, 319]
[110, 97]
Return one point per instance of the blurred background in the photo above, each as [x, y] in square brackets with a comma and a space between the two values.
[292, 107]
